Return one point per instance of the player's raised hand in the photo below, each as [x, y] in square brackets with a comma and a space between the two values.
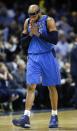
[34, 28]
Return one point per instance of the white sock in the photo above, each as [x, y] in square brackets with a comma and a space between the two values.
[27, 112]
[54, 112]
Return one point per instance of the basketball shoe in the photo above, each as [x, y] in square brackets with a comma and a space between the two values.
[23, 122]
[53, 122]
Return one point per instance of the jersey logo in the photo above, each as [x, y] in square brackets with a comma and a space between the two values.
[41, 26]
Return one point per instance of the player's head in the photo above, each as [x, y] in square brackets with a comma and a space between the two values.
[34, 12]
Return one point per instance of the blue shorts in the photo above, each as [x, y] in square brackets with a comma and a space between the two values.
[43, 69]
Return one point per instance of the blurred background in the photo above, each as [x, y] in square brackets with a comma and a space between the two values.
[13, 60]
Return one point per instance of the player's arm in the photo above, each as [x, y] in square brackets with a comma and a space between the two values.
[25, 27]
[52, 36]
[25, 38]
[25, 35]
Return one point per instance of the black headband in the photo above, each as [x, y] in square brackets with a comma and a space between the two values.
[34, 13]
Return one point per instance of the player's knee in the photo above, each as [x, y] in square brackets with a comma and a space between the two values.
[31, 87]
[52, 88]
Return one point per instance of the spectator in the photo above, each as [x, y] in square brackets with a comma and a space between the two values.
[62, 47]
[73, 61]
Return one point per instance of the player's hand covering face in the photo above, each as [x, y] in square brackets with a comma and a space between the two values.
[34, 28]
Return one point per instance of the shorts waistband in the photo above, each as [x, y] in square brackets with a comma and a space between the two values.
[42, 52]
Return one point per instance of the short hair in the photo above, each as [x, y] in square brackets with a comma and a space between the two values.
[33, 8]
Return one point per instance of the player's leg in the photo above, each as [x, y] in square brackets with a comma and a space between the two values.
[53, 97]
[24, 121]
[54, 105]
[30, 96]
[32, 76]
[50, 78]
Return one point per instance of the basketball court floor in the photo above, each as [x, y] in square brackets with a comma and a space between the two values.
[40, 121]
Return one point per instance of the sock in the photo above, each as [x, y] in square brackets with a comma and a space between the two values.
[27, 112]
[54, 112]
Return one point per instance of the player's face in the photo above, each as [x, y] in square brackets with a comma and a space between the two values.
[34, 15]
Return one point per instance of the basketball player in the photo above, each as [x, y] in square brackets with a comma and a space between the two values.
[40, 30]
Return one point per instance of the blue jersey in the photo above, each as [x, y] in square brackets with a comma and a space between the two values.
[38, 45]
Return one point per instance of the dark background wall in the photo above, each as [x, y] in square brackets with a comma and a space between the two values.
[71, 4]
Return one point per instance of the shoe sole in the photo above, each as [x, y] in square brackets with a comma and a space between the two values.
[26, 126]
[23, 126]
[56, 126]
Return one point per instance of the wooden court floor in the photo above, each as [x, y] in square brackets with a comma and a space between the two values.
[40, 121]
